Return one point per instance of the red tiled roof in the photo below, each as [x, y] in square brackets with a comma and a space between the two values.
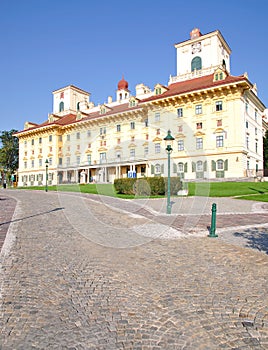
[179, 88]
[196, 84]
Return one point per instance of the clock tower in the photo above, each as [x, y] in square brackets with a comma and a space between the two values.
[201, 55]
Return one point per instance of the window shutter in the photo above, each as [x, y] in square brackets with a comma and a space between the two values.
[174, 167]
[193, 167]
[226, 164]
[152, 169]
[205, 165]
[213, 165]
[162, 168]
[185, 167]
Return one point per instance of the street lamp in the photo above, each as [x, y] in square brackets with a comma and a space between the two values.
[169, 139]
[46, 162]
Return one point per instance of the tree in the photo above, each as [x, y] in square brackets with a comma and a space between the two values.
[265, 151]
[9, 152]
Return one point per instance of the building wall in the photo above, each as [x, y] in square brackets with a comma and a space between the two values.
[217, 131]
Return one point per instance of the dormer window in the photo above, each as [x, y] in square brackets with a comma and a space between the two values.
[132, 103]
[102, 110]
[160, 89]
[219, 75]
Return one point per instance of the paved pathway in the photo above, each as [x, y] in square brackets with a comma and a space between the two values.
[88, 272]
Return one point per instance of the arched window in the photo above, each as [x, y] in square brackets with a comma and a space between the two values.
[196, 63]
[61, 106]
[78, 106]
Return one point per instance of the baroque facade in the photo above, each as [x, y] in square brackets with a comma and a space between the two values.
[215, 118]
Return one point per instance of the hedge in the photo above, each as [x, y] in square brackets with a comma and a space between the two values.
[147, 186]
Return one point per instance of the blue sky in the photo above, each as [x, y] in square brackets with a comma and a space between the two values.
[48, 44]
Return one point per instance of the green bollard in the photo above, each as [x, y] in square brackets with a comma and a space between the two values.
[213, 221]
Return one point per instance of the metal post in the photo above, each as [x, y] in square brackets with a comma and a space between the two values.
[168, 186]
[46, 174]
[213, 221]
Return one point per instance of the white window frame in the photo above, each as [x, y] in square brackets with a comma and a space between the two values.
[180, 145]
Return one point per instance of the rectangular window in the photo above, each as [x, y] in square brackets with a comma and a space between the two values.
[199, 125]
[68, 161]
[256, 115]
[88, 133]
[50, 161]
[219, 122]
[157, 148]
[50, 138]
[32, 163]
[25, 143]
[247, 124]
[180, 167]
[25, 165]
[199, 143]
[60, 138]
[40, 139]
[256, 131]
[118, 128]
[102, 157]
[118, 141]
[180, 112]
[89, 159]
[158, 132]
[219, 165]
[132, 125]
[219, 141]
[246, 107]
[32, 142]
[198, 109]
[218, 106]
[157, 117]
[132, 153]
[103, 131]
[247, 142]
[180, 128]
[146, 151]
[77, 159]
[68, 137]
[78, 135]
[180, 145]
[256, 147]
[60, 161]
[132, 138]
[40, 162]
[146, 122]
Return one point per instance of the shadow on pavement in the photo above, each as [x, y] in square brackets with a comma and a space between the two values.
[255, 239]
[30, 216]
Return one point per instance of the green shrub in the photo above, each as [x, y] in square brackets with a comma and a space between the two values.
[147, 186]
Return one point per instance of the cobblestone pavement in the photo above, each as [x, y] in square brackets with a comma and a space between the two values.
[85, 272]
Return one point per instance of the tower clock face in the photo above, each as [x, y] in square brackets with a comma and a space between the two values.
[196, 47]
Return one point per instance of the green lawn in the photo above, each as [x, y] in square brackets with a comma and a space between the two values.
[242, 190]
[228, 189]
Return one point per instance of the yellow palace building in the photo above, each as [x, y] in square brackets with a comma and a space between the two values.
[214, 117]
